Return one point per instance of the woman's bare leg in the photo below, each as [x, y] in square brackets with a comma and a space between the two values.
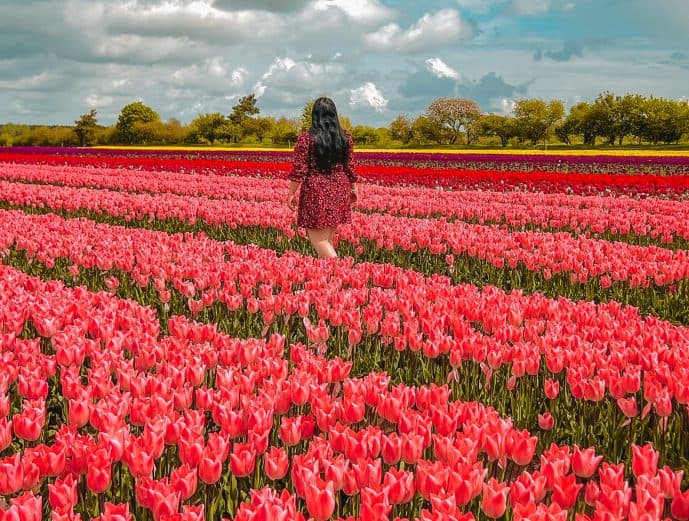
[331, 235]
[320, 240]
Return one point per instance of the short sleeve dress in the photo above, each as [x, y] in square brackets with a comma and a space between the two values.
[324, 197]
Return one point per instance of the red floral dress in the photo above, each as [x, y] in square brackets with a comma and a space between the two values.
[324, 197]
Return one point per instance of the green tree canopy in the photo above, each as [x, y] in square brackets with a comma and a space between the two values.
[495, 125]
[244, 109]
[427, 130]
[401, 129]
[207, 128]
[306, 116]
[536, 119]
[85, 128]
[130, 115]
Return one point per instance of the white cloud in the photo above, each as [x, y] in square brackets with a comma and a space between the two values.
[287, 79]
[368, 95]
[363, 11]
[440, 69]
[507, 106]
[96, 101]
[531, 7]
[117, 84]
[213, 75]
[36, 81]
[196, 21]
[430, 31]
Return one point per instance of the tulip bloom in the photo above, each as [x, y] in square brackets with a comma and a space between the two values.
[320, 500]
[11, 475]
[546, 421]
[242, 460]
[62, 495]
[276, 463]
[494, 500]
[585, 462]
[644, 460]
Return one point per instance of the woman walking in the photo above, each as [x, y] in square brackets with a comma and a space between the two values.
[323, 167]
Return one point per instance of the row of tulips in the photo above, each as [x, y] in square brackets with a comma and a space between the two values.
[653, 218]
[559, 263]
[625, 162]
[504, 179]
[103, 418]
[591, 368]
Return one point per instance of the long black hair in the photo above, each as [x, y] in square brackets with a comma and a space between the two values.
[331, 142]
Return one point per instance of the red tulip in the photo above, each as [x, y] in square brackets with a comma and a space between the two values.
[494, 500]
[400, 486]
[391, 448]
[184, 480]
[290, 430]
[29, 424]
[320, 500]
[26, 507]
[276, 463]
[546, 421]
[522, 447]
[670, 481]
[585, 462]
[644, 460]
[11, 475]
[99, 471]
[212, 458]
[552, 388]
[680, 506]
[242, 460]
[628, 406]
[5, 433]
[375, 505]
[412, 448]
[116, 512]
[79, 412]
[591, 493]
[62, 494]
[566, 490]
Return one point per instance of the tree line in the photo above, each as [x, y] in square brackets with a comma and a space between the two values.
[608, 120]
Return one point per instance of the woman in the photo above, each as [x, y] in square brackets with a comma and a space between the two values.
[324, 168]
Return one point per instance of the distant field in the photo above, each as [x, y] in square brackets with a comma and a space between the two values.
[493, 151]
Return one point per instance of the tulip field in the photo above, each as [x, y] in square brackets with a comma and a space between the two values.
[502, 337]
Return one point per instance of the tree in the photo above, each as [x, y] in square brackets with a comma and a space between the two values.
[207, 128]
[536, 118]
[664, 121]
[131, 114]
[306, 116]
[454, 114]
[401, 129]
[495, 125]
[85, 128]
[426, 129]
[244, 109]
[604, 111]
[364, 135]
[582, 121]
[285, 131]
[629, 116]
[259, 127]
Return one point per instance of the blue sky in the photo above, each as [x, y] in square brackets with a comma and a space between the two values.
[376, 58]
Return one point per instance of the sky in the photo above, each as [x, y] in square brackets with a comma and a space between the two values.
[375, 58]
